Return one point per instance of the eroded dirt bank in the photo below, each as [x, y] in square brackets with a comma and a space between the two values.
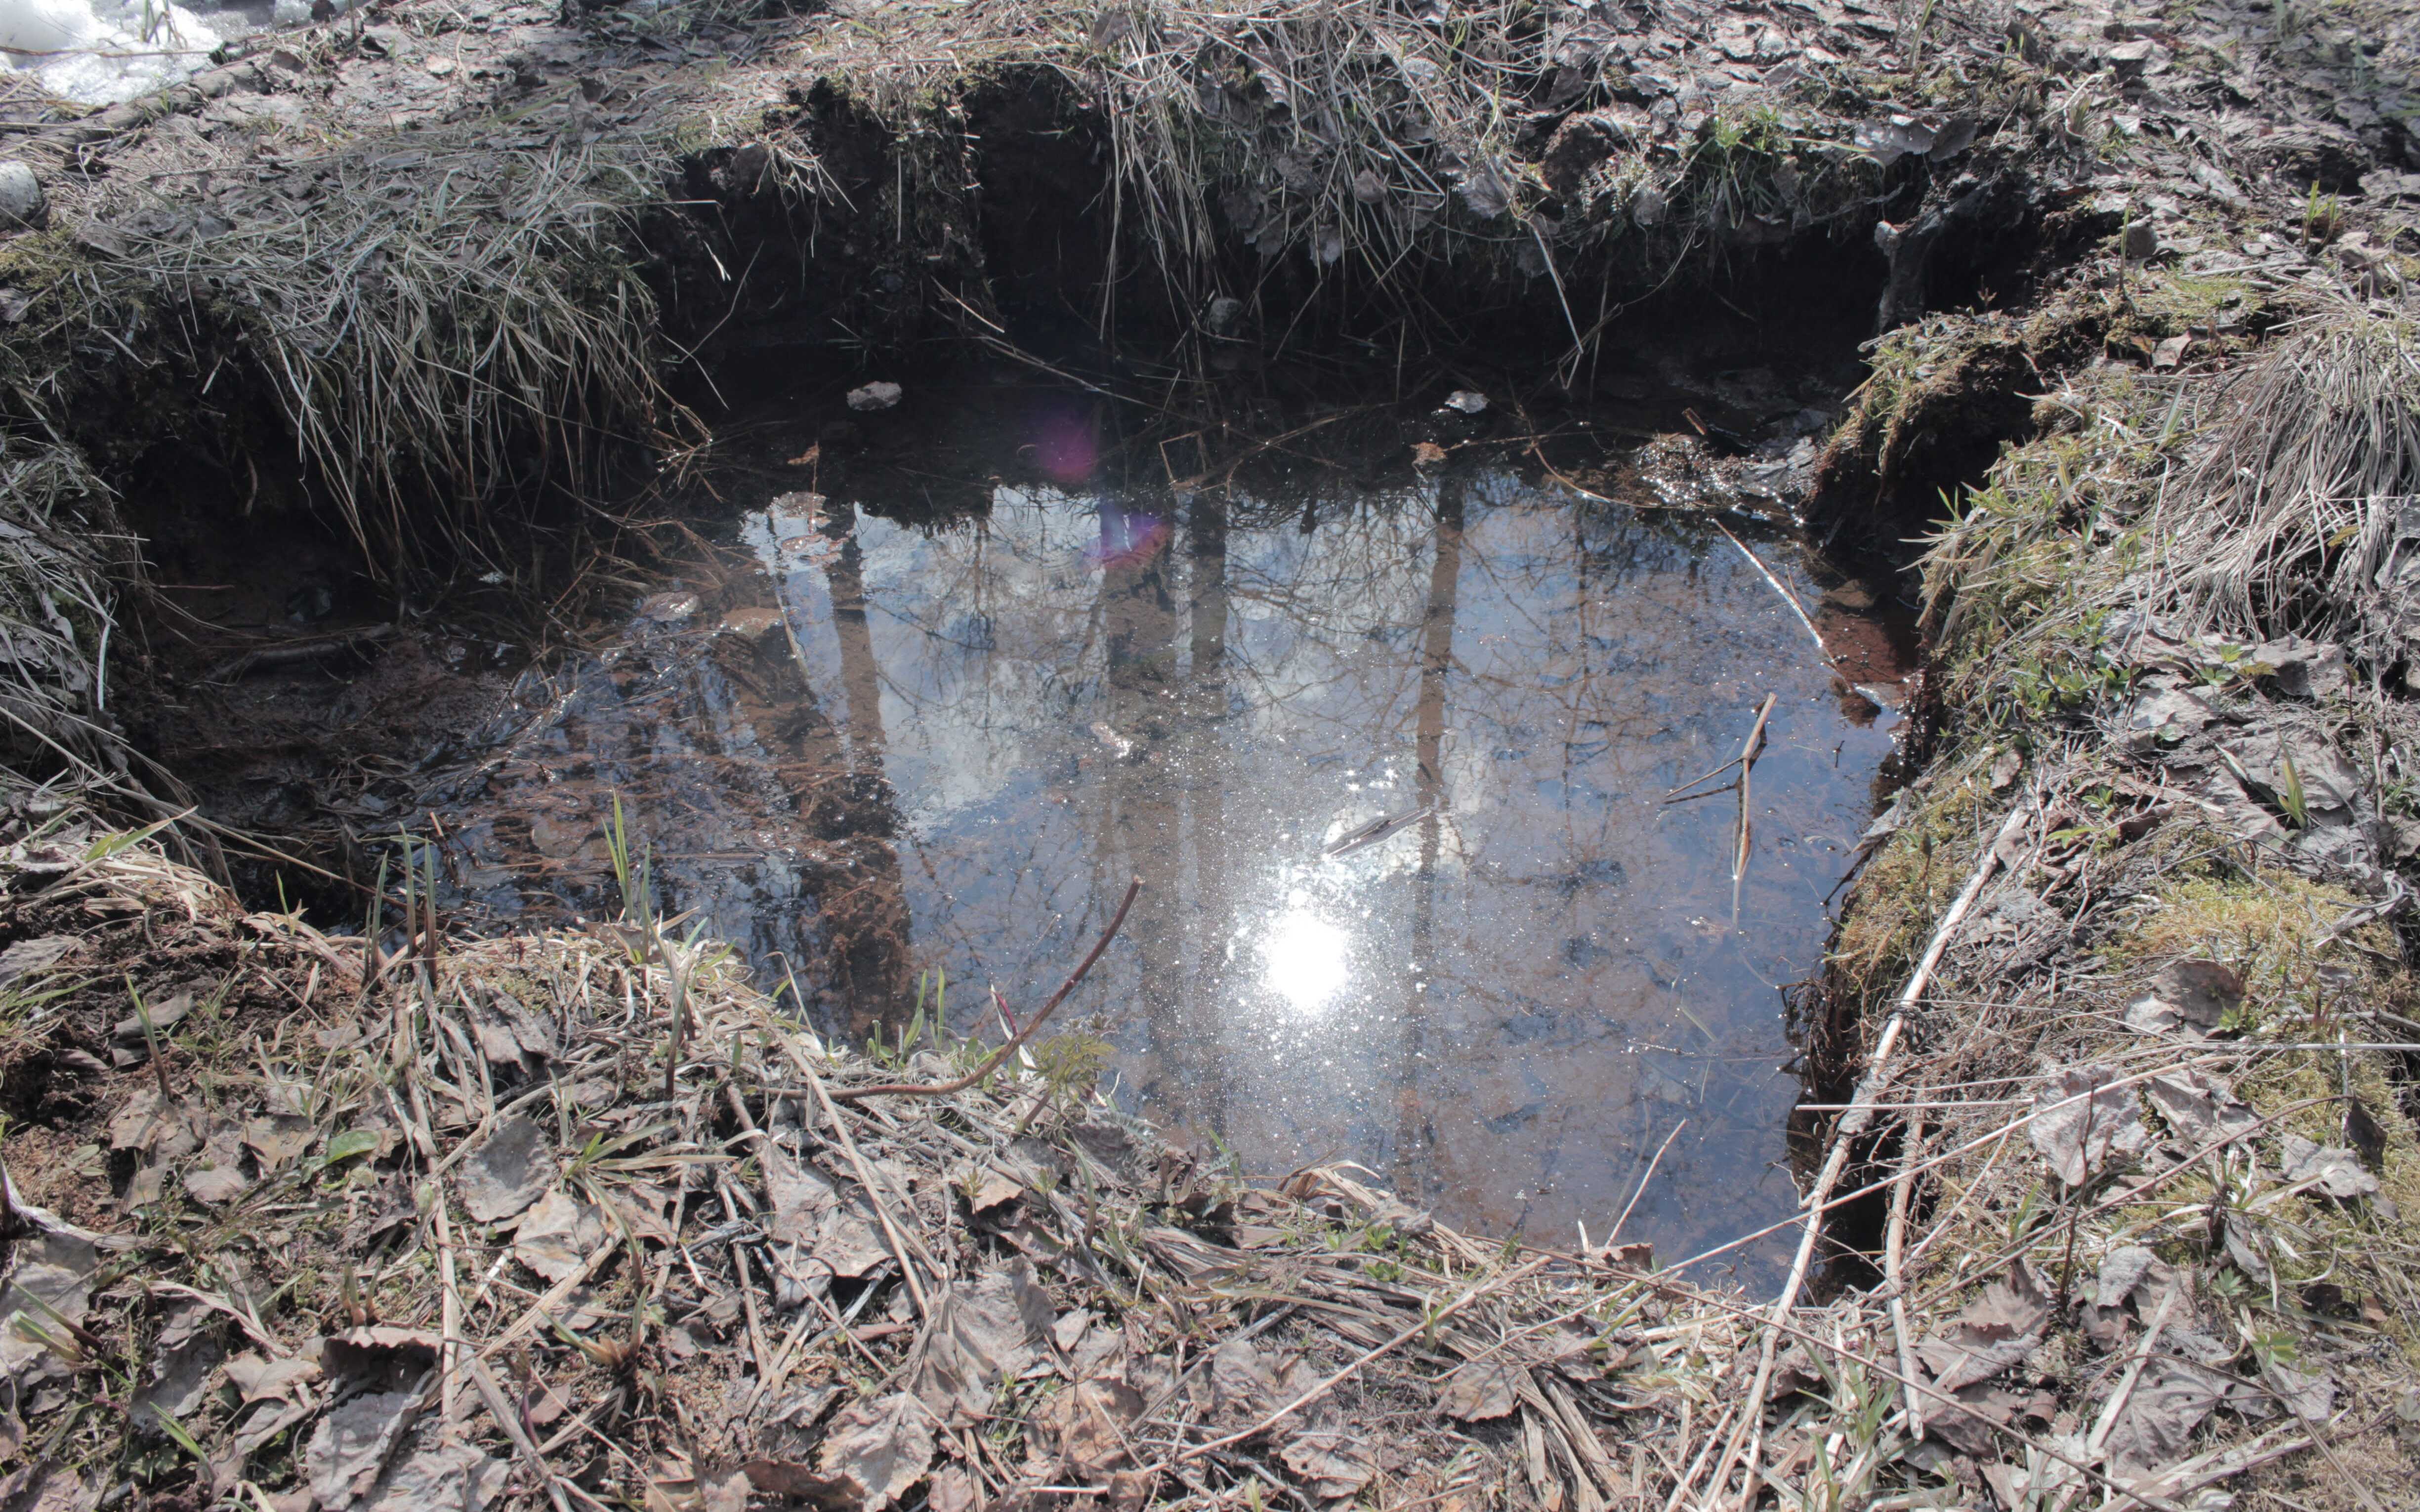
[2122, 995]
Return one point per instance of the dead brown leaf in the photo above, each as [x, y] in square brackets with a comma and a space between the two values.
[2199, 1108]
[349, 1450]
[279, 1139]
[558, 1235]
[1331, 1461]
[1130, 1489]
[2194, 994]
[217, 1174]
[1997, 1330]
[510, 1172]
[810, 1216]
[451, 1478]
[2333, 1169]
[2080, 1120]
[981, 1333]
[2158, 1420]
[875, 1450]
[261, 1379]
[1479, 1392]
[953, 1490]
[1087, 1424]
[148, 1123]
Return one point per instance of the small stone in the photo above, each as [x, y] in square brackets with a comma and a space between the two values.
[875, 396]
[2129, 59]
[22, 204]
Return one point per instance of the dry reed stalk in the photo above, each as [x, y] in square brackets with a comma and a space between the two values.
[1779, 587]
[449, 1327]
[1876, 1077]
[1895, 1272]
[874, 1192]
[1746, 762]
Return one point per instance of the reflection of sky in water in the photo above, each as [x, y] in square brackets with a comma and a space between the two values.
[1502, 1004]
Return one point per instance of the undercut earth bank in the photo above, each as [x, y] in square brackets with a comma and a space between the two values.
[2108, 1163]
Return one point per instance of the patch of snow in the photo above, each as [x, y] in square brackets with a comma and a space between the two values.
[94, 51]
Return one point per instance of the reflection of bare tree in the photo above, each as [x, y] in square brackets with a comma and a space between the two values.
[1530, 673]
[865, 921]
[1415, 1134]
[1138, 626]
[1205, 711]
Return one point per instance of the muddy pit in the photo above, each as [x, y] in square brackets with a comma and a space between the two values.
[1383, 714]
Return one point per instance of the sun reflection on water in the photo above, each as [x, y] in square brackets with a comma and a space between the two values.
[1304, 959]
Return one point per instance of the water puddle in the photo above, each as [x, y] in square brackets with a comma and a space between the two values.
[1389, 760]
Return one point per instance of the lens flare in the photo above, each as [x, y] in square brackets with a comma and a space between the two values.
[1304, 960]
[1126, 537]
[1066, 447]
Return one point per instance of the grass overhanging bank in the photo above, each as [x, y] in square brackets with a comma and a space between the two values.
[2119, 1009]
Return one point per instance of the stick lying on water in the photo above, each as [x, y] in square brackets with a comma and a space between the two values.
[299, 653]
[992, 1062]
[1786, 596]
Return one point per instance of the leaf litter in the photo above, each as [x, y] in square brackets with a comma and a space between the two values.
[806, 1298]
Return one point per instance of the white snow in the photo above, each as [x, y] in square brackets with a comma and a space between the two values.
[94, 51]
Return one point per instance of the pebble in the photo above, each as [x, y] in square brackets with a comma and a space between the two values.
[22, 204]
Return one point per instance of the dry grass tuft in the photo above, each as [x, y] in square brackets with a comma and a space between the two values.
[58, 528]
[443, 323]
[2305, 502]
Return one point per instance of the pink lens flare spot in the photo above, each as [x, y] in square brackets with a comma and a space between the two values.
[1067, 449]
[1127, 538]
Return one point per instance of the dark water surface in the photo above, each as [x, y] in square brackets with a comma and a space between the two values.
[867, 749]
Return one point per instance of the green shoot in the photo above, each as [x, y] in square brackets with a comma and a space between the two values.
[151, 1039]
